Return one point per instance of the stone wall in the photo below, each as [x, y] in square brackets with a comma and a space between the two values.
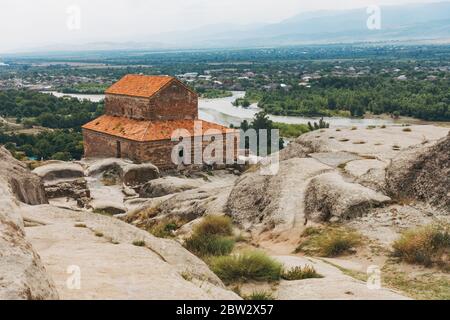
[173, 102]
[159, 153]
[124, 106]
[100, 145]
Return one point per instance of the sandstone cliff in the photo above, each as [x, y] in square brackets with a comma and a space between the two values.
[22, 275]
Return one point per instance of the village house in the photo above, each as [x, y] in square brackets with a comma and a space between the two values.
[142, 115]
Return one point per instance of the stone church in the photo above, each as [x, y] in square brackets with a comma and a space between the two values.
[141, 115]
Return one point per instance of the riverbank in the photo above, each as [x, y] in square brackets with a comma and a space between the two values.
[222, 111]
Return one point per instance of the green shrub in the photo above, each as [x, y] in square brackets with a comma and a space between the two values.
[329, 242]
[427, 245]
[209, 245]
[215, 225]
[299, 273]
[260, 296]
[212, 237]
[252, 265]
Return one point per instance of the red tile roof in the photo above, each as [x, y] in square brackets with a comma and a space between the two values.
[145, 130]
[139, 85]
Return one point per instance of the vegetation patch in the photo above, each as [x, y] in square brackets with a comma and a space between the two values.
[80, 225]
[165, 228]
[246, 266]
[212, 237]
[260, 295]
[425, 286]
[291, 130]
[139, 243]
[428, 245]
[300, 273]
[329, 242]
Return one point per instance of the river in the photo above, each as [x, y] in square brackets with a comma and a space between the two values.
[223, 112]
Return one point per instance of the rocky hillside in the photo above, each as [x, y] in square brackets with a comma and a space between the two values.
[22, 275]
[338, 175]
[100, 215]
[113, 259]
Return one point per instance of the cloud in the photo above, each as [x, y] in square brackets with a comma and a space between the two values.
[31, 23]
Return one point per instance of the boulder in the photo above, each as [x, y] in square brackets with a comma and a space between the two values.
[99, 166]
[59, 171]
[75, 189]
[136, 174]
[209, 198]
[422, 173]
[275, 202]
[168, 185]
[25, 187]
[330, 198]
[107, 207]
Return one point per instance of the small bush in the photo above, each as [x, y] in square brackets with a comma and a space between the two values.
[354, 128]
[329, 242]
[98, 234]
[139, 243]
[80, 225]
[429, 245]
[209, 245]
[299, 273]
[344, 140]
[407, 130]
[260, 296]
[252, 265]
[383, 126]
[212, 237]
[215, 225]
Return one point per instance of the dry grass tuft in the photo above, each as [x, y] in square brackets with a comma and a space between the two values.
[300, 273]
[329, 242]
[428, 246]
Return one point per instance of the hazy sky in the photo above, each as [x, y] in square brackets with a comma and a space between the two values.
[37, 23]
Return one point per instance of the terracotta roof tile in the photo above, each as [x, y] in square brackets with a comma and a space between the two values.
[139, 85]
[139, 130]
